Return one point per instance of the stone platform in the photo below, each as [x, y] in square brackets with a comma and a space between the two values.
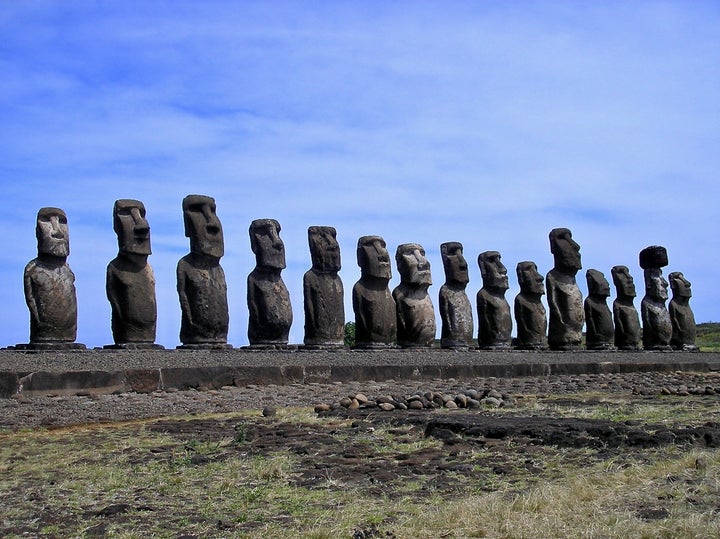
[98, 371]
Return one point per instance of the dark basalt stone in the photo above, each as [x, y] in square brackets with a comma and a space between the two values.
[415, 313]
[268, 298]
[373, 305]
[200, 278]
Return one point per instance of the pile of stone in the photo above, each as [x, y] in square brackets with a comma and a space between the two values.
[426, 400]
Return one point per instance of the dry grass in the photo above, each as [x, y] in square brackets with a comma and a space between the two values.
[127, 481]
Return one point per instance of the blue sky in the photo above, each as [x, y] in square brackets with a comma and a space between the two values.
[488, 123]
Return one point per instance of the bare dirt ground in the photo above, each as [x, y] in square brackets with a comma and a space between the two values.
[473, 449]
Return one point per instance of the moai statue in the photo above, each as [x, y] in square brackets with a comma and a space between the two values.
[600, 332]
[50, 286]
[626, 319]
[200, 278]
[494, 320]
[130, 282]
[415, 312]
[681, 315]
[455, 308]
[657, 327]
[530, 315]
[323, 291]
[564, 298]
[268, 298]
[373, 305]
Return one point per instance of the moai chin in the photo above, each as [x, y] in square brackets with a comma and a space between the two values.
[200, 278]
[415, 313]
[682, 318]
[455, 309]
[323, 291]
[49, 285]
[565, 301]
[530, 315]
[268, 299]
[628, 333]
[657, 327]
[373, 305]
[600, 332]
[494, 320]
[130, 282]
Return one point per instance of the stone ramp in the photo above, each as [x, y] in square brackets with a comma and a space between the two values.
[117, 371]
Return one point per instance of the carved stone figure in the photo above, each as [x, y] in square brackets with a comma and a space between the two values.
[323, 291]
[684, 329]
[565, 300]
[455, 308]
[267, 296]
[415, 312]
[530, 315]
[600, 332]
[130, 283]
[494, 320]
[657, 327]
[200, 278]
[625, 317]
[50, 286]
[373, 305]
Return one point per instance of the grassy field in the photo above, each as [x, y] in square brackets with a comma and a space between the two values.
[227, 476]
[708, 336]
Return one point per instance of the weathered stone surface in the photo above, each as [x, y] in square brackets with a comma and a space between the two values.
[72, 383]
[373, 305]
[530, 315]
[657, 327]
[628, 333]
[268, 299]
[415, 312]
[565, 300]
[323, 291]
[50, 285]
[682, 318]
[455, 308]
[494, 320]
[200, 278]
[130, 282]
[600, 332]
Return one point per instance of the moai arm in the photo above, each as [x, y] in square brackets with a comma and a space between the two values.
[589, 319]
[447, 313]
[618, 320]
[181, 287]
[30, 295]
[553, 300]
[111, 286]
[311, 302]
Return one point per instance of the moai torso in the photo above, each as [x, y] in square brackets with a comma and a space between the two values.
[628, 332]
[51, 298]
[531, 322]
[375, 314]
[131, 292]
[203, 298]
[567, 316]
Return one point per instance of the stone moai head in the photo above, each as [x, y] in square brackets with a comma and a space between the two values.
[131, 227]
[492, 270]
[373, 258]
[529, 279]
[597, 284]
[324, 249]
[202, 226]
[679, 285]
[623, 282]
[652, 260]
[265, 242]
[565, 250]
[412, 265]
[655, 284]
[454, 263]
[52, 233]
